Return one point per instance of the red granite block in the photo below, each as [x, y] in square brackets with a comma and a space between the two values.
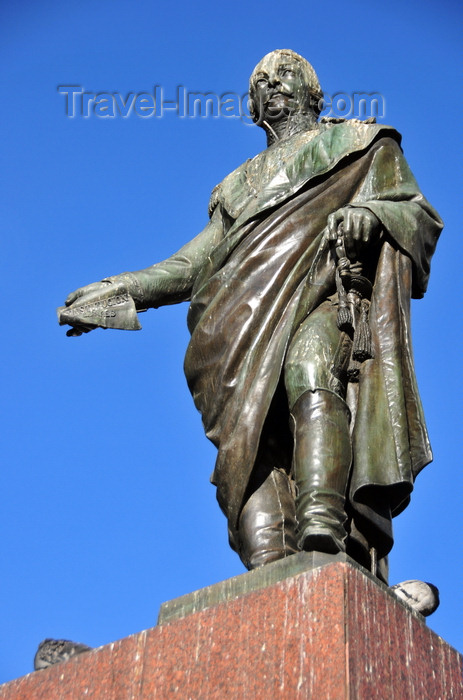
[259, 645]
[402, 658]
[331, 633]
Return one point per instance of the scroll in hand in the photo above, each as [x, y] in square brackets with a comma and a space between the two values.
[102, 304]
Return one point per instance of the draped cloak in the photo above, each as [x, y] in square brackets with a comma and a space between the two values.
[269, 269]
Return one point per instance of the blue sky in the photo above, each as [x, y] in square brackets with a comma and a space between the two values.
[107, 509]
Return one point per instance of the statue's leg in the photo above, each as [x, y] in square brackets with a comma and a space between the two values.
[322, 458]
[320, 422]
[267, 523]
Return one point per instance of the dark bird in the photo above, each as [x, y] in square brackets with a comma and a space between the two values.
[54, 651]
[418, 595]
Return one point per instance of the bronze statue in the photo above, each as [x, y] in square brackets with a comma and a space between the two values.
[300, 358]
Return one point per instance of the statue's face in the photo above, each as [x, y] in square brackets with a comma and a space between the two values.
[279, 88]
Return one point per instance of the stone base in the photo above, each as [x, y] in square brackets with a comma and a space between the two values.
[328, 632]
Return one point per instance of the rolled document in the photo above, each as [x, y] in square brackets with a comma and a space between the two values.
[104, 309]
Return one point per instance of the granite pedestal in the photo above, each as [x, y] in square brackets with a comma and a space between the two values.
[312, 626]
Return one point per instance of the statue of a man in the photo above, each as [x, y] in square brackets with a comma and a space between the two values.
[300, 358]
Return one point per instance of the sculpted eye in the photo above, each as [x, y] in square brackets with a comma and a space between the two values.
[288, 73]
[261, 82]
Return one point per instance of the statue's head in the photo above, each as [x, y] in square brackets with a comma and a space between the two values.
[283, 83]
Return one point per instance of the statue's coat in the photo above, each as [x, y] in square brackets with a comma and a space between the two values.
[264, 264]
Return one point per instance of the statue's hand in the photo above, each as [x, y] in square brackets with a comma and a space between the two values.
[90, 289]
[124, 283]
[92, 296]
[359, 227]
[84, 295]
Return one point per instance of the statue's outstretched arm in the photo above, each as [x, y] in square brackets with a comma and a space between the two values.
[112, 302]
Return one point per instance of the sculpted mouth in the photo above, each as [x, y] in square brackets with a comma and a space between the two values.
[278, 95]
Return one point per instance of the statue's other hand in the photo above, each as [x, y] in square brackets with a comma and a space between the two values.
[359, 227]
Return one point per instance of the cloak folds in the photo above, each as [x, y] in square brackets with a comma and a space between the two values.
[269, 271]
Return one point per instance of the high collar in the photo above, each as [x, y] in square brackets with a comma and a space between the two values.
[289, 126]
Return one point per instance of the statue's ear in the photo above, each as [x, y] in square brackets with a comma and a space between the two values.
[252, 108]
[255, 113]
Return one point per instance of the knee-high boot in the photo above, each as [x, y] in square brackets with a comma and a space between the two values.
[267, 526]
[321, 464]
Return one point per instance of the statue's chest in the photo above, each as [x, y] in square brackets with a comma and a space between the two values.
[253, 177]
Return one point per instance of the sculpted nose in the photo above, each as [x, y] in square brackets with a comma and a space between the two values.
[273, 80]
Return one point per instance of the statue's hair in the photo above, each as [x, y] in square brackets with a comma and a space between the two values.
[309, 73]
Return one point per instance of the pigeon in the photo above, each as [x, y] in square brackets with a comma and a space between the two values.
[418, 595]
[54, 651]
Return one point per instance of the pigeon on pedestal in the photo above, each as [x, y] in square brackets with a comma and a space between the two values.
[54, 651]
[418, 595]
